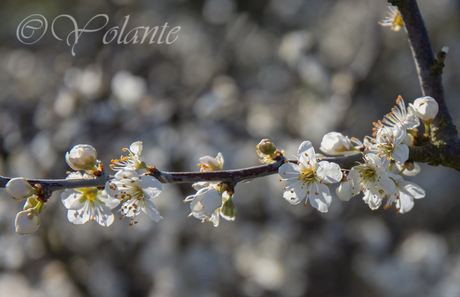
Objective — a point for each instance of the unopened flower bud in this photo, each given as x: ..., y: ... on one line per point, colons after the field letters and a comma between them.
x: 228, y: 209
x: 344, y: 191
x: 426, y: 108
x: 81, y: 157
x: 27, y: 221
x: 266, y: 147
x: 334, y: 143
x: 19, y: 189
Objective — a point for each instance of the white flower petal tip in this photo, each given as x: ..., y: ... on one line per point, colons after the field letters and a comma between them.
x: 306, y: 180
x: 426, y: 108
x: 81, y: 157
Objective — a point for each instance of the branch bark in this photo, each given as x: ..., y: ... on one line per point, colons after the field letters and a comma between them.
x: 445, y: 146
x: 230, y: 176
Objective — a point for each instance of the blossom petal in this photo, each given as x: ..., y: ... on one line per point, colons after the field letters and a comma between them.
x: 372, y: 196
x: 105, y: 216
x: 69, y: 196
x: 320, y: 197
x: 136, y: 148
x: 386, y: 183
x: 295, y: 192
x: 329, y: 172
x: 126, y: 174
x: 151, y: 210
x: 289, y: 171
x: 80, y: 216
x: 150, y: 186
x: 413, y: 189
x: 405, y: 202
x: 305, y: 146
x: 108, y: 200
x: 400, y: 153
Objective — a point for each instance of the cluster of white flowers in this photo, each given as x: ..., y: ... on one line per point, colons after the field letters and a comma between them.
x: 385, y: 156
x: 212, y: 199
x: 378, y: 177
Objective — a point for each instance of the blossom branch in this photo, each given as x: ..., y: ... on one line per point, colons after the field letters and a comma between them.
x: 445, y: 148
x: 229, y: 176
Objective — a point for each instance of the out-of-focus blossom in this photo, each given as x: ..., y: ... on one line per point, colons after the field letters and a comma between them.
x: 393, y: 19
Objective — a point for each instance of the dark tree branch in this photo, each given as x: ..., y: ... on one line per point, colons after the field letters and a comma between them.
x: 229, y: 176
x: 445, y: 147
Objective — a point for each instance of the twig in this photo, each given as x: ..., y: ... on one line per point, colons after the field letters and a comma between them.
x: 445, y: 147
x: 229, y: 176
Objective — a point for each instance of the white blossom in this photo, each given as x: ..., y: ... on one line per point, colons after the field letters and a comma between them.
x: 373, y: 179
x: 388, y: 143
x: 400, y: 116
x: 27, y: 221
x: 208, y: 163
x: 404, y: 194
x: 335, y: 143
x: 136, y: 194
x: 307, y: 179
x: 81, y: 157
x: 19, y: 189
x: 205, y: 203
x: 85, y: 204
x: 426, y: 108
x: 393, y: 19
x: 134, y: 160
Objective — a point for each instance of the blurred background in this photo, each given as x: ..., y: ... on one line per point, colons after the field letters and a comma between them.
x: 240, y: 71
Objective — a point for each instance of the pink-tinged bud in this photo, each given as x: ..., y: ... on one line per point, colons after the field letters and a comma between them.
x: 19, y: 189
x: 426, y: 108
x: 81, y: 157
x: 27, y: 221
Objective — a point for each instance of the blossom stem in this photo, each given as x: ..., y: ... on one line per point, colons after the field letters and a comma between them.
x: 232, y: 177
